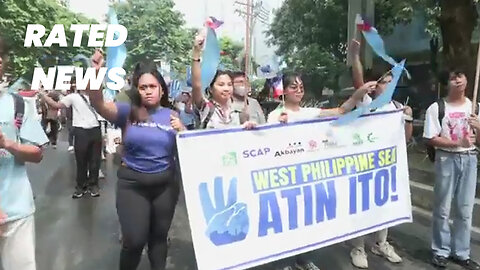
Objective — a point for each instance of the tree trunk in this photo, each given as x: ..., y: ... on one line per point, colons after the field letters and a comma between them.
x: 457, y: 20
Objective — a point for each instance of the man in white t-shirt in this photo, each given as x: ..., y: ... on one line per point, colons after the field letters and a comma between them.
x: 455, y: 171
x: 88, y: 141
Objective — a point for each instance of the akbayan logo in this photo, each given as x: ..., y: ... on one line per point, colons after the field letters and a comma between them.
x: 292, y: 149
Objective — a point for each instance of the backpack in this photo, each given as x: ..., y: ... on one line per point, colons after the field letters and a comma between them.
x: 441, y: 114
x: 19, y: 109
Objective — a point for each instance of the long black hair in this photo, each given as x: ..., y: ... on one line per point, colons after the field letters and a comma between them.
x: 139, y: 112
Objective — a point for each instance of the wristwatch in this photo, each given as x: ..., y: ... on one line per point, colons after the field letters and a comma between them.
x: 196, y: 60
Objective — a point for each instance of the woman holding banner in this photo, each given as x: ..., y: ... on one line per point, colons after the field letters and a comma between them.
x: 148, y: 188
x: 216, y: 112
x: 293, y: 93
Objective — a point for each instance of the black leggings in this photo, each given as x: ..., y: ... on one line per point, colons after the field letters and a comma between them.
x: 145, y: 206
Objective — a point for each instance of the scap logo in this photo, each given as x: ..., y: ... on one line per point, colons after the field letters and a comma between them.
x: 252, y: 153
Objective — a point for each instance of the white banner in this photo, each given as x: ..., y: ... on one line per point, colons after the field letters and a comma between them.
x: 258, y: 196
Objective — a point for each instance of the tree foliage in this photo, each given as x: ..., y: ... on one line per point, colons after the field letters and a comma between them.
x: 155, y: 31
x: 15, y: 15
x: 231, y: 53
x: 312, y: 34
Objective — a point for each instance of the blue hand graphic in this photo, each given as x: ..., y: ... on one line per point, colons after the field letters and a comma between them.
x: 227, y: 222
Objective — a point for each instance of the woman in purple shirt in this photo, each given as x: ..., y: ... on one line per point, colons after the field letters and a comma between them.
x: 147, y: 189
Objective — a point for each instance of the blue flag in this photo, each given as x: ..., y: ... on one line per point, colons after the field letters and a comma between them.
x: 378, y: 102
x: 211, y: 58
x: 116, y: 56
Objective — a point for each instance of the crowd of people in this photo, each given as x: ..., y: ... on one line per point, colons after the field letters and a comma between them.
x: 149, y: 178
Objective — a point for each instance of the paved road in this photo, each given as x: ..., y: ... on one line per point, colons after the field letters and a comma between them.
x: 83, y: 234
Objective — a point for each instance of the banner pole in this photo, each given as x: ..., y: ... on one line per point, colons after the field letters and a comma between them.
x: 477, y: 76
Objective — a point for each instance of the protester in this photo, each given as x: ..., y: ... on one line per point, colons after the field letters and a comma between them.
x: 449, y: 127
x: 88, y: 140
x: 185, y: 108
x: 217, y: 112
x: 148, y: 187
x: 291, y: 111
x: 241, y: 99
x: 21, y: 138
x: 51, y: 120
x: 381, y: 247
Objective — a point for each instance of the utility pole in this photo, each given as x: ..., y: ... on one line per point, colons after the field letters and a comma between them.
x: 252, y: 12
x: 248, y: 36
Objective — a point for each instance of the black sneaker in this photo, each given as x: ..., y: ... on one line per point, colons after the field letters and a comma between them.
x: 439, y: 261
x: 94, y: 191
x: 467, y: 264
x: 78, y: 193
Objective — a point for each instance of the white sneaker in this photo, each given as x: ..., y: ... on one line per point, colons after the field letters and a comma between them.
x: 70, y: 149
x: 387, y: 251
x: 307, y: 266
x: 359, y: 258
x: 101, y: 175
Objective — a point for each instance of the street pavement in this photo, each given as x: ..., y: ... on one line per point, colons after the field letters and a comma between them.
x: 84, y: 234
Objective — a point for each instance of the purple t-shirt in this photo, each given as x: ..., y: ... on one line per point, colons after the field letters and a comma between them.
x: 148, y: 147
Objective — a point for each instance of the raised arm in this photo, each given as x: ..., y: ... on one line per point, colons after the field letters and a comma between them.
x: 357, y: 67
x: 107, y: 110
x: 358, y: 96
x: 197, y: 91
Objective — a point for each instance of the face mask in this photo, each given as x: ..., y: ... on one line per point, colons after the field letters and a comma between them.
x: 181, y: 106
x: 240, y: 90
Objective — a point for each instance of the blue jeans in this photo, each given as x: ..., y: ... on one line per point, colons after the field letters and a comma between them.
x: 455, y: 179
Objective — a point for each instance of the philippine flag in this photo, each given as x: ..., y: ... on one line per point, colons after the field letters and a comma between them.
x: 277, y: 85
x: 213, y: 23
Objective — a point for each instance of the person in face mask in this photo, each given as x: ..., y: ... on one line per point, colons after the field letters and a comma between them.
x: 242, y: 101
